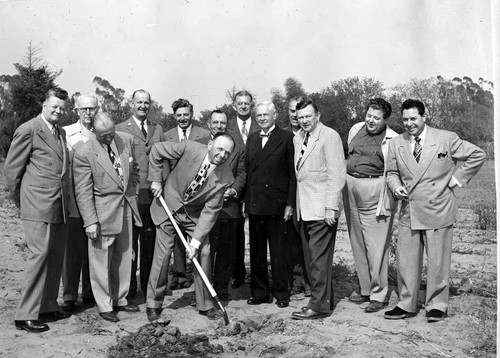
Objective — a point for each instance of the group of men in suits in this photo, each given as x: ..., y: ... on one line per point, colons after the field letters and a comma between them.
x: 100, y: 184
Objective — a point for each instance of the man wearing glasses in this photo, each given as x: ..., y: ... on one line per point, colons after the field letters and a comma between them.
x: 76, y: 258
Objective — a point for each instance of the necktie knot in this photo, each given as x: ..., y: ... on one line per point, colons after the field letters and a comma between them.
x: 417, y: 139
x: 266, y: 135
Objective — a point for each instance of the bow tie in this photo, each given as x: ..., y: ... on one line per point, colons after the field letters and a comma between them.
x: 262, y: 135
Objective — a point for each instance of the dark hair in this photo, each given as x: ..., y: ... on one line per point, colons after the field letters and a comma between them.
x: 381, y: 105
x: 182, y: 103
x: 141, y: 91
x: 56, y: 92
x: 223, y: 134
x: 413, y: 103
x: 304, y: 102
x: 243, y: 93
x: 219, y: 111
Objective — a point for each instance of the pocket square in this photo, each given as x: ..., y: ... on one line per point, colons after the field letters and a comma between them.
x: 442, y: 155
x: 130, y: 159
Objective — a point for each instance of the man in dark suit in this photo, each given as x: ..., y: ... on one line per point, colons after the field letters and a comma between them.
x: 320, y: 170
x: 145, y: 134
x: 223, y: 233
x: 269, y: 203
x: 194, y: 192
x: 185, y: 130
x: 106, y: 184
x: 239, y: 128
x: 76, y: 258
x: 36, y: 170
x: 424, y: 167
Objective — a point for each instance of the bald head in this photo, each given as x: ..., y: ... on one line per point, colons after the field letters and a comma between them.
x: 104, y: 128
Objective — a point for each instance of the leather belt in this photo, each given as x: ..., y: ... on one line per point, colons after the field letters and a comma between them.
x: 363, y: 176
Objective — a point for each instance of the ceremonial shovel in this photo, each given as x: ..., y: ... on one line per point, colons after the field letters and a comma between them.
x: 195, y: 261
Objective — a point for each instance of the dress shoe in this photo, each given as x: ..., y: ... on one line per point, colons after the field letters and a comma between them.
x: 237, y: 282
x: 211, y: 314
x: 33, y: 326
x: 69, y: 306
x: 153, y: 313
x: 435, y: 316
x: 309, y: 314
x: 88, y: 301
x: 359, y: 299
x: 258, y: 300
x: 397, y: 313
x: 375, y: 306
x: 307, y: 292
x: 53, y: 316
x: 109, y: 316
x: 131, y: 307
x: 282, y: 303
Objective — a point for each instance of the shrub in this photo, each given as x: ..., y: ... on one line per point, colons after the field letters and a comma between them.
x: 486, y: 216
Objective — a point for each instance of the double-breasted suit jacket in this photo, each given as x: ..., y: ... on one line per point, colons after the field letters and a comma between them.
x: 100, y: 193
x: 37, y: 174
x: 142, y: 147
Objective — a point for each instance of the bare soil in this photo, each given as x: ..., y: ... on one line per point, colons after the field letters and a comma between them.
x: 266, y: 330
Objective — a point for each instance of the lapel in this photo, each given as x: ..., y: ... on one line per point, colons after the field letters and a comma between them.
x: 102, y: 158
x: 406, y: 153
x: 311, y: 144
x: 124, y: 159
x: 253, y: 125
x: 48, y: 138
x: 134, y: 129
x: 273, y: 142
x: 151, y: 130
x: 428, y: 154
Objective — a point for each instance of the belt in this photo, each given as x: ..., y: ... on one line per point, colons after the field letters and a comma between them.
x: 363, y: 176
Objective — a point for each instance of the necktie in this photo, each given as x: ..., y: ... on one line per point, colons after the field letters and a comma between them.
x: 55, y: 132
x: 244, y: 131
x: 264, y: 137
x: 143, y: 130
x: 183, y: 135
x: 197, y: 182
x: 116, y: 162
x: 304, y: 147
x: 417, y: 151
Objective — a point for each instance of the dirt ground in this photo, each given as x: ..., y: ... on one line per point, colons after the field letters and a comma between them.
x: 266, y: 330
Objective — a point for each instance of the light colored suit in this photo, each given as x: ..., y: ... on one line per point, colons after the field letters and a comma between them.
x: 427, y: 217
x: 369, y: 211
x: 320, y: 181
x: 195, y: 216
x: 36, y: 169
x: 76, y: 254
x: 104, y: 199
x: 142, y: 147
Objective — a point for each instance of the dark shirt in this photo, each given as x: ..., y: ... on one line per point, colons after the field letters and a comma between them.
x: 365, y: 153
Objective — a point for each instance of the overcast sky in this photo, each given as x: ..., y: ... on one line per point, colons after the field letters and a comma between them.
x: 197, y: 49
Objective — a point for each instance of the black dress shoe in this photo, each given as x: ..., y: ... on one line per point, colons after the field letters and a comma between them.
x: 397, y: 313
x: 211, y: 314
x: 131, y: 307
x: 359, y: 299
x: 88, y: 301
x: 237, y: 282
x: 32, y: 326
x: 69, y: 306
x: 282, y: 303
x: 153, y: 313
x: 435, y: 315
x: 258, y: 300
x: 375, y: 306
x: 53, y: 316
x: 109, y: 316
x: 309, y: 314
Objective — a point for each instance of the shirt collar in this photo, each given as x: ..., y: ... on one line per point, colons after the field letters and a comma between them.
x: 180, y: 131
x: 138, y: 121
x: 421, y: 136
x: 268, y: 132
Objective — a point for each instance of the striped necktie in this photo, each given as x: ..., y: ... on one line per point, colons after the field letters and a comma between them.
x: 116, y: 163
x: 417, y: 151
x: 304, y: 147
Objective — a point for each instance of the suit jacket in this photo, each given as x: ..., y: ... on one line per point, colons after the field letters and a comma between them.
x: 236, y: 163
x: 321, y: 173
x: 234, y: 130
x: 271, y: 182
x: 142, y: 147
x: 37, y: 172
x: 386, y: 203
x: 431, y: 202
x: 197, y: 134
x: 99, y: 191
x: 205, y: 205
x: 76, y: 135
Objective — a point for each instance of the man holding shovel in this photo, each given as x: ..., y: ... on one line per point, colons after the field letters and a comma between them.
x: 194, y: 193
